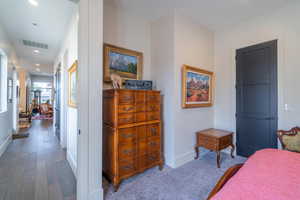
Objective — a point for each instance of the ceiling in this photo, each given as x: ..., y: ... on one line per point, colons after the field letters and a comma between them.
x: 51, y: 18
x: 214, y: 14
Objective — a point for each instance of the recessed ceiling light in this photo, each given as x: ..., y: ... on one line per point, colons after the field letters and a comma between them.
x: 37, y: 65
x: 36, y: 51
x: 33, y: 2
x: 38, y: 69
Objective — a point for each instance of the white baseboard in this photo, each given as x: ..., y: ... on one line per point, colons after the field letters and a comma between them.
x: 184, y: 158
x: 96, y: 195
x: 188, y: 157
x: 72, y: 164
x: 5, y: 144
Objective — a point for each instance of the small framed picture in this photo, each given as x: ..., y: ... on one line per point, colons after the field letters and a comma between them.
x: 197, y: 87
x: 73, y: 85
x: 128, y: 64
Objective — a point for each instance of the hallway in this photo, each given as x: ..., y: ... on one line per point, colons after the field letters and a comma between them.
x: 36, y: 168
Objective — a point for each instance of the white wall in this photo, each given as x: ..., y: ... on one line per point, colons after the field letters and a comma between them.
x: 6, y: 122
x: 163, y: 73
x: 67, y: 56
x: 176, y: 41
x: 283, y: 25
x: 123, y: 29
x: 194, y: 46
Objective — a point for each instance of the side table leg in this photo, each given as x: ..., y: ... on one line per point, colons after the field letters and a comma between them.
x: 218, y: 158
x: 232, y: 150
x: 197, y: 153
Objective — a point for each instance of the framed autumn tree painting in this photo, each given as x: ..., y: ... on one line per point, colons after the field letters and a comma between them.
x: 197, y: 87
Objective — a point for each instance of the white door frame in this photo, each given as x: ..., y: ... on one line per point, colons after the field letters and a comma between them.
x: 89, y: 153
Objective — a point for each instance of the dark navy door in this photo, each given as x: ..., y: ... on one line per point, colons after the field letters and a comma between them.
x: 256, y: 98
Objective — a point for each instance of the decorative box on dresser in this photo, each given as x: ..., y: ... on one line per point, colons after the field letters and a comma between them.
x: 131, y: 133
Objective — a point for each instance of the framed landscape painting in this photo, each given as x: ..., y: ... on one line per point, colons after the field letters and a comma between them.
x: 73, y: 85
x: 197, y: 87
x: 128, y: 64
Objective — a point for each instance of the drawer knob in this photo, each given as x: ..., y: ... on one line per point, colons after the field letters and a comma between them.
x: 152, y: 158
x: 127, y: 98
x: 128, y: 152
x: 152, y: 108
x: 152, y: 117
x: 128, y: 109
x: 126, y: 120
x: 128, y: 135
x: 152, y: 144
x: 127, y: 167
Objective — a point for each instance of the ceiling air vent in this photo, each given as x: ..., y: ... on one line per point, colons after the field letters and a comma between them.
x: 35, y: 44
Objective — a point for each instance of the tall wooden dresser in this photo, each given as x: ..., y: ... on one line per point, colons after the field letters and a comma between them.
x: 131, y: 133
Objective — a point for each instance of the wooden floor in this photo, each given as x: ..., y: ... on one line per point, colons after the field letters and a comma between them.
x: 35, y: 168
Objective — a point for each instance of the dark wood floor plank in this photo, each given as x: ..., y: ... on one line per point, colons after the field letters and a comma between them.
x: 35, y: 168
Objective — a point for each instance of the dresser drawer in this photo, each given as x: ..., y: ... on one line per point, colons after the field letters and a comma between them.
x: 126, y: 97
x: 141, y: 132
x: 153, y: 157
x: 153, y: 145
x: 140, y: 97
x: 127, y: 167
x: 140, y: 107
x: 127, y: 150
x: 153, y: 97
x: 127, y: 135
x: 153, y: 116
x: 153, y: 130
x: 143, y: 162
x: 140, y: 117
x: 126, y: 108
x: 142, y: 147
x: 153, y: 107
x: 126, y: 118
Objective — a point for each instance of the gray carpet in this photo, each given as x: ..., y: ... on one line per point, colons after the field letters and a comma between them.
x: 192, y: 181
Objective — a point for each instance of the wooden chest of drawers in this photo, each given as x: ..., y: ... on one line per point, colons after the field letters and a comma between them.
x: 131, y: 133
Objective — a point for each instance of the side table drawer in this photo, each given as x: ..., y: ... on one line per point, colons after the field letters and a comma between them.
x: 207, y: 142
x: 225, y: 141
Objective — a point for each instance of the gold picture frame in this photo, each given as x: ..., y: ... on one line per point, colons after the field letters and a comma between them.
x: 197, y: 87
x: 128, y: 64
x: 72, y: 93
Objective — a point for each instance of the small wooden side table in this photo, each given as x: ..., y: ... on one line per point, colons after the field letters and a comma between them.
x: 214, y: 140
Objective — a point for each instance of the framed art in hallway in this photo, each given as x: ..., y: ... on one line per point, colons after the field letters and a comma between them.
x: 73, y: 85
x: 197, y: 87
x: 128, y: 64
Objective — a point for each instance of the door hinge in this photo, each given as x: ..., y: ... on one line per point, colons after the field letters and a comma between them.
x: 79, y: 131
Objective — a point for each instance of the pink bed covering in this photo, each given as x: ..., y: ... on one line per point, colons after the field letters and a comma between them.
x: 269, y: 174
